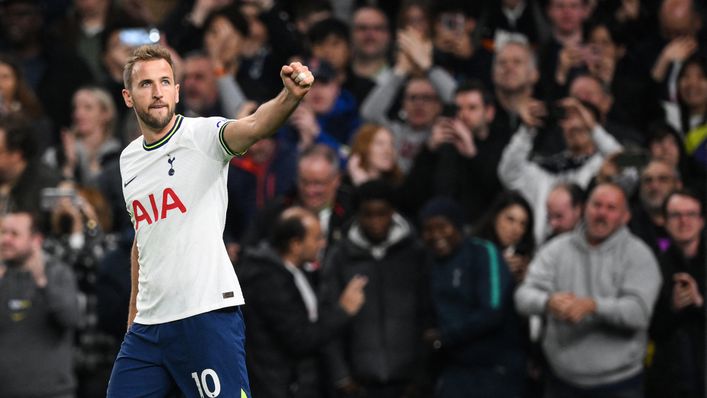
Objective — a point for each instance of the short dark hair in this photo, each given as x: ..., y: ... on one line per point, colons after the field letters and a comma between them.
x: 374, y: 190
x: 468, y: 8
x: 605, y: 89
x: 321, y: 30
x: 472, y: 85
x: 234, y: 16
x: 659, y: 130
x: 289, y: 226
x: 34, y: 219
x: 682, y: 192
x: 302, y: 9
x: 616, y: 32
x: 19, y: 136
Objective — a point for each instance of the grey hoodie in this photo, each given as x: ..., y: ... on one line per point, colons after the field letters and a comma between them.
x: 622, y: 276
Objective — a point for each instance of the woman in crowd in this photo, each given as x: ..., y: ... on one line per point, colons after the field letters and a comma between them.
x: 89, y: 145
x: 509, y: 225
x: 373, y: 156
x: 691, y: 108
x: 18, y: 99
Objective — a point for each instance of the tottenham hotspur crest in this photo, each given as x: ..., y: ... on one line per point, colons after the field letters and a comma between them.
x: 170, y: 160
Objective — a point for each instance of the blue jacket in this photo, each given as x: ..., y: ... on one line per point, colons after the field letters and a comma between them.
x: 472, y: 293
x: 337, y: 126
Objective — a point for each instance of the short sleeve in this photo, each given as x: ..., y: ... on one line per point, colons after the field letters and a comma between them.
x: 208, y: 138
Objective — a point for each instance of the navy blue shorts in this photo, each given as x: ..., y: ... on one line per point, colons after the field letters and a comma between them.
x: 202, y: 356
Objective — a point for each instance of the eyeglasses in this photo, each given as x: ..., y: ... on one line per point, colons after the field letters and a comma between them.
x: 375, y: 28
x: 421, y: 97
x: 662, y: 179
x: 304, y: 182
x: 690, y: 215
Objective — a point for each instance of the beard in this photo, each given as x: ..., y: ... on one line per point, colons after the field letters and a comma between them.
x: 153, y: 122
x: 17, y: 259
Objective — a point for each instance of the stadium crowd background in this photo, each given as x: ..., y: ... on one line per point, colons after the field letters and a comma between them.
x: 515, y: 109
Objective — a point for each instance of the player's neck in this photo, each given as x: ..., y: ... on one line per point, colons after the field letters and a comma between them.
x: 151, y: 135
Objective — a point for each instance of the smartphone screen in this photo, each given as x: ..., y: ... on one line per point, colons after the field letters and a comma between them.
x: 135, y: 37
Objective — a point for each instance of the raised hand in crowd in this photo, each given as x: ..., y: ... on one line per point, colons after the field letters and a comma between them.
x: 572, y: 104
x: 452, y: 131
x: 602, y: 65
x: 532, y: 112
x: 305, y: 122
x: 404, y: 66
x: 358, y: 174
x: 571, y: 56
x: 68, y: 143
x: 36, y: 266
x: 202, y: 9
x: 222, y: 46
x: 678, y: 50
x: 686, y: 292
x: 628, y: 11
x: 418, y: 48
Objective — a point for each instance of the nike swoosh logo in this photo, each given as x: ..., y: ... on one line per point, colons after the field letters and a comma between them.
x: 129, y: 181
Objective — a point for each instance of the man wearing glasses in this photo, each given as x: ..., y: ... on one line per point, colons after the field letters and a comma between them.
x: 678, y: 327
x: 657, y: 180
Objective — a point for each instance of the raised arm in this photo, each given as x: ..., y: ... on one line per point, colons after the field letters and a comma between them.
x: 240, y: 134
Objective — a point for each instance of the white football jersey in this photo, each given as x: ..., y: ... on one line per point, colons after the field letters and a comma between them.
x: 175, y: 192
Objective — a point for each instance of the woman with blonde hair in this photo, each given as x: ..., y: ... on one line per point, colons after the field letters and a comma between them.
x: 89, y: 145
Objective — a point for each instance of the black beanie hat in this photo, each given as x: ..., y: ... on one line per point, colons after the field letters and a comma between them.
x: 444, y: 207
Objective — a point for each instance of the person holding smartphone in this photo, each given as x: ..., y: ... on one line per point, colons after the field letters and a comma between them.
x: 454, y: 48
x: 678, y: 327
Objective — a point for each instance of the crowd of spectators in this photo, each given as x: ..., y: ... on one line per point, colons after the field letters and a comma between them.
x: 499, y: 198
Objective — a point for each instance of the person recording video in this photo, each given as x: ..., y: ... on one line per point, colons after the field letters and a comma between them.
x: 586, y: 142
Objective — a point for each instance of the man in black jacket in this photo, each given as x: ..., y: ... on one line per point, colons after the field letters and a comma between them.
x: 286, y: 326
x: 381, y: 351
x: 678, y: 326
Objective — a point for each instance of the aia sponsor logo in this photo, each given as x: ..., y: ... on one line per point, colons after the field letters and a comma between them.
x: 151, y: 211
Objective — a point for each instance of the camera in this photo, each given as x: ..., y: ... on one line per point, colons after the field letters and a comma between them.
x: 135, y: 37
x: 51, y: 196
x: 557, y: 112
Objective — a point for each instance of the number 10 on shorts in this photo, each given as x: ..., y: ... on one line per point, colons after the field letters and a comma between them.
x: 203, y: 386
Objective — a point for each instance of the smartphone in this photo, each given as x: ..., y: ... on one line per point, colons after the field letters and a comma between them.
x: 135, y: 37
x: 450, y: 110
x: 51, y: 196
x: 555, y: 113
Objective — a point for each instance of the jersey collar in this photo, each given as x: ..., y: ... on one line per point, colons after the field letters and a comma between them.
x: 165, y: 139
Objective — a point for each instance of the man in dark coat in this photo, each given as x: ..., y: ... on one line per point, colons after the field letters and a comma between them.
x: 286, y: 326
x: 381, y: 352
x: 678, y: 326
